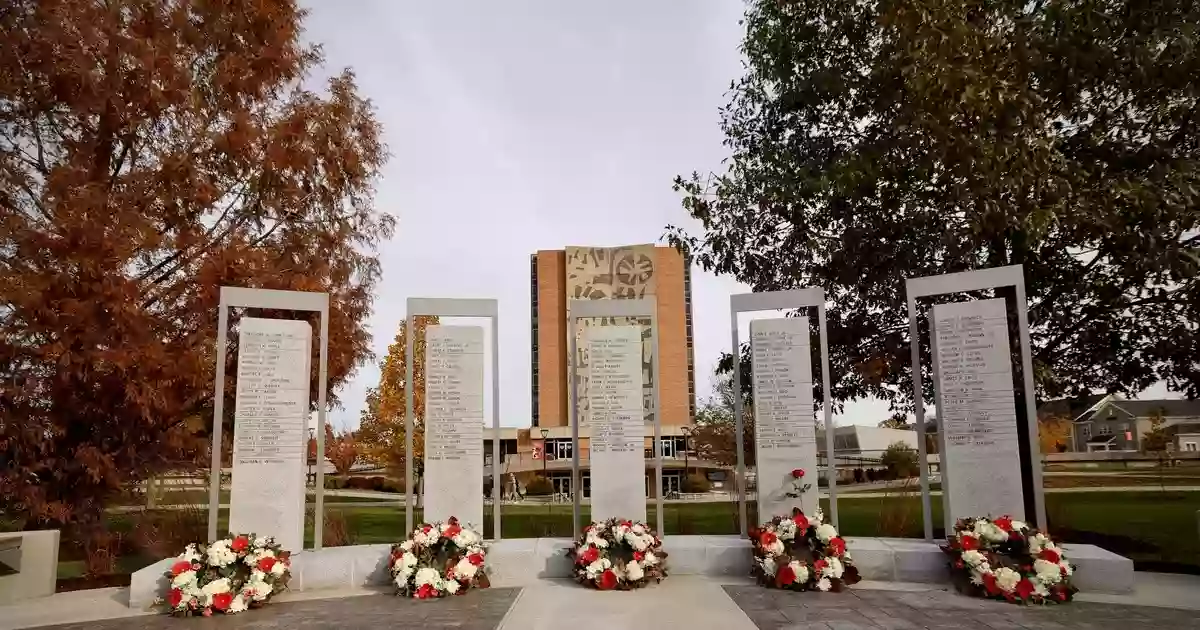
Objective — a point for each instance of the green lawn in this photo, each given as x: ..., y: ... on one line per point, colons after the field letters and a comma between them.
x: 200, y: 497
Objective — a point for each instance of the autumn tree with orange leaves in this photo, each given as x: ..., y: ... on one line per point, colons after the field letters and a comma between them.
x: 381, y: 424
x: 152, y: 151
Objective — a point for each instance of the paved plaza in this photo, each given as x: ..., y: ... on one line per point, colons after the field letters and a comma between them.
x: 477, y: 610
x: 684, y: 602
x: 861, y: 609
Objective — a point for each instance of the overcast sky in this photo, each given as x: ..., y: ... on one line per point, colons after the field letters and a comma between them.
x: 519, y: 125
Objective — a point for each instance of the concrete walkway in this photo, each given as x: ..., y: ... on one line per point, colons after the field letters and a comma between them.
x: 686, y: 602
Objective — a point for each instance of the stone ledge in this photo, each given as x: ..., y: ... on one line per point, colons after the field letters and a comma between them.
x: 524, y: 560
x: 36, y: 553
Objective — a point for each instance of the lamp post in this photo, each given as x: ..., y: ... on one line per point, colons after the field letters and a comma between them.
x: 545, y: 452
x: 687, y: 443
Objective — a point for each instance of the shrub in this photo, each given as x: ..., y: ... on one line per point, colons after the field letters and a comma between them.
x: 162, y: 533
x: 539, y: 487
x: 858, y: 475
x: 696, y: 484
x: 900, y: 459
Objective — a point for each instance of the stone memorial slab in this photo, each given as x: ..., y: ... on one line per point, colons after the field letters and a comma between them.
x: 269, y: 437
x: 977, y: 410
x: 617, y: 419
x: 454, y: 357
x: 785, y: 434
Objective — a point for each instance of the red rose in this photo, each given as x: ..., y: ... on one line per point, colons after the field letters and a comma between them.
x: 221, y: 601
x: 819, y: 566
x: 626, y: 523
x: 785, y: 576
x: 175, y: 597
x: 240, y: 544
x: 475, y: 559
x: 1024, y: 588
x: 207, y: 612
x: 589, y: 555
x: 266, y: 563
x: 969, y: 542
x: 180, y: 567
x: 989, y: 582
x: 608, y: 581
x: 767, y: 538
x: 452, y: 531
x: 1050, y: 555
x: 837, y: 545
x: 425, y: 529
x: 1004, y: 523
x: 801, y: 522
x: 425, y: 591
x: 797, y: 473
x: 637, y: 556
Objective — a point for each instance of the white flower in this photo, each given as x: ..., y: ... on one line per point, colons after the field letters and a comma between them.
x: 638, y: 528
x: 1006, y: 579
x: 817, y: 518
x: 410, y: 560
x: 633, y: 572
x: 183, y: 579
x: 466, y: 538
x: 428, y: 575
x: 599, y: 566
x: 252, y: 559
x: 833, y: 568
x: 1040, y: 589
x: 598, y: 541
x: 216, y: 587
x: 973, y: 558
x: 640, y: 543
x: 464, y: 569
x: 1037, y: 543
x: 451, y: 586
x: 279, y: 568
x: 977, y: 577
x: 263, y: 541
x: 1047, y: 572
x: 786, y: 529
x: 401, y: 578
x: 407, y: 545
x: 1066, y: 566
x: 238, y: 604
x: 768, y: 566
x: 420, y: 538
x: 219, y: 554
x: 649, y: 559
x: 773, y: 549
x: 826, y: 532
x: 824, y: 584
x: 800, y: 570
x: 989, y: 531
x: 189, y: 553
x: 1019, y: 526
x: 259, y: 586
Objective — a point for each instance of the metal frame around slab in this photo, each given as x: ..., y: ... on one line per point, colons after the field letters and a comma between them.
x: 810, y: 297
x: 639, y: 307
x: 240, y: 297
x: 451, y: 307
x: 961, y: 282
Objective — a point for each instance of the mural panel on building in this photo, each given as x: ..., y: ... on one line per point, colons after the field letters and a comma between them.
x: 599, y: 273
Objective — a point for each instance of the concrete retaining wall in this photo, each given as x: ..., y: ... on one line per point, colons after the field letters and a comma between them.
x: 524, y: 560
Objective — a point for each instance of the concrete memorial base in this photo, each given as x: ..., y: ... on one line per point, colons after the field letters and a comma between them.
x: 523, y: 561
x: 34, y: 557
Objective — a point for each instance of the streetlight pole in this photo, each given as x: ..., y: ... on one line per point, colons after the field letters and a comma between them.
x: 687, y: 442
x: 545, y: 478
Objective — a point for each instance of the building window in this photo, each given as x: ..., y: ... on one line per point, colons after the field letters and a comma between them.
x: 672, y: 447
x: 559, y: 449
x: 1085, y: 431
x: 1105, y: 429
x: 1189, y: 446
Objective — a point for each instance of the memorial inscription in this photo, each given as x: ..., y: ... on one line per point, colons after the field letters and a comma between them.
x: 785, y: 423
x: 454, y: 359
x: 270, y: 417
x: 618, y: 462
x: 977, y: 410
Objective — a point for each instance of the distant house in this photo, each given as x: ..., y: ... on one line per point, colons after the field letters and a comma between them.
x: 1113, y: 423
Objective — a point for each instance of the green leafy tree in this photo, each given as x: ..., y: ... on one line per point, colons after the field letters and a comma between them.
x: 1157, y: 442
x: 875, y: 141
x: 900, y: 459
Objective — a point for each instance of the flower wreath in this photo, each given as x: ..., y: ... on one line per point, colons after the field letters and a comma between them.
x: 1007, y: 559
x: 226, y: 576
x: 801, y: 553
x: 439, y: 559
x: 618, y: 554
